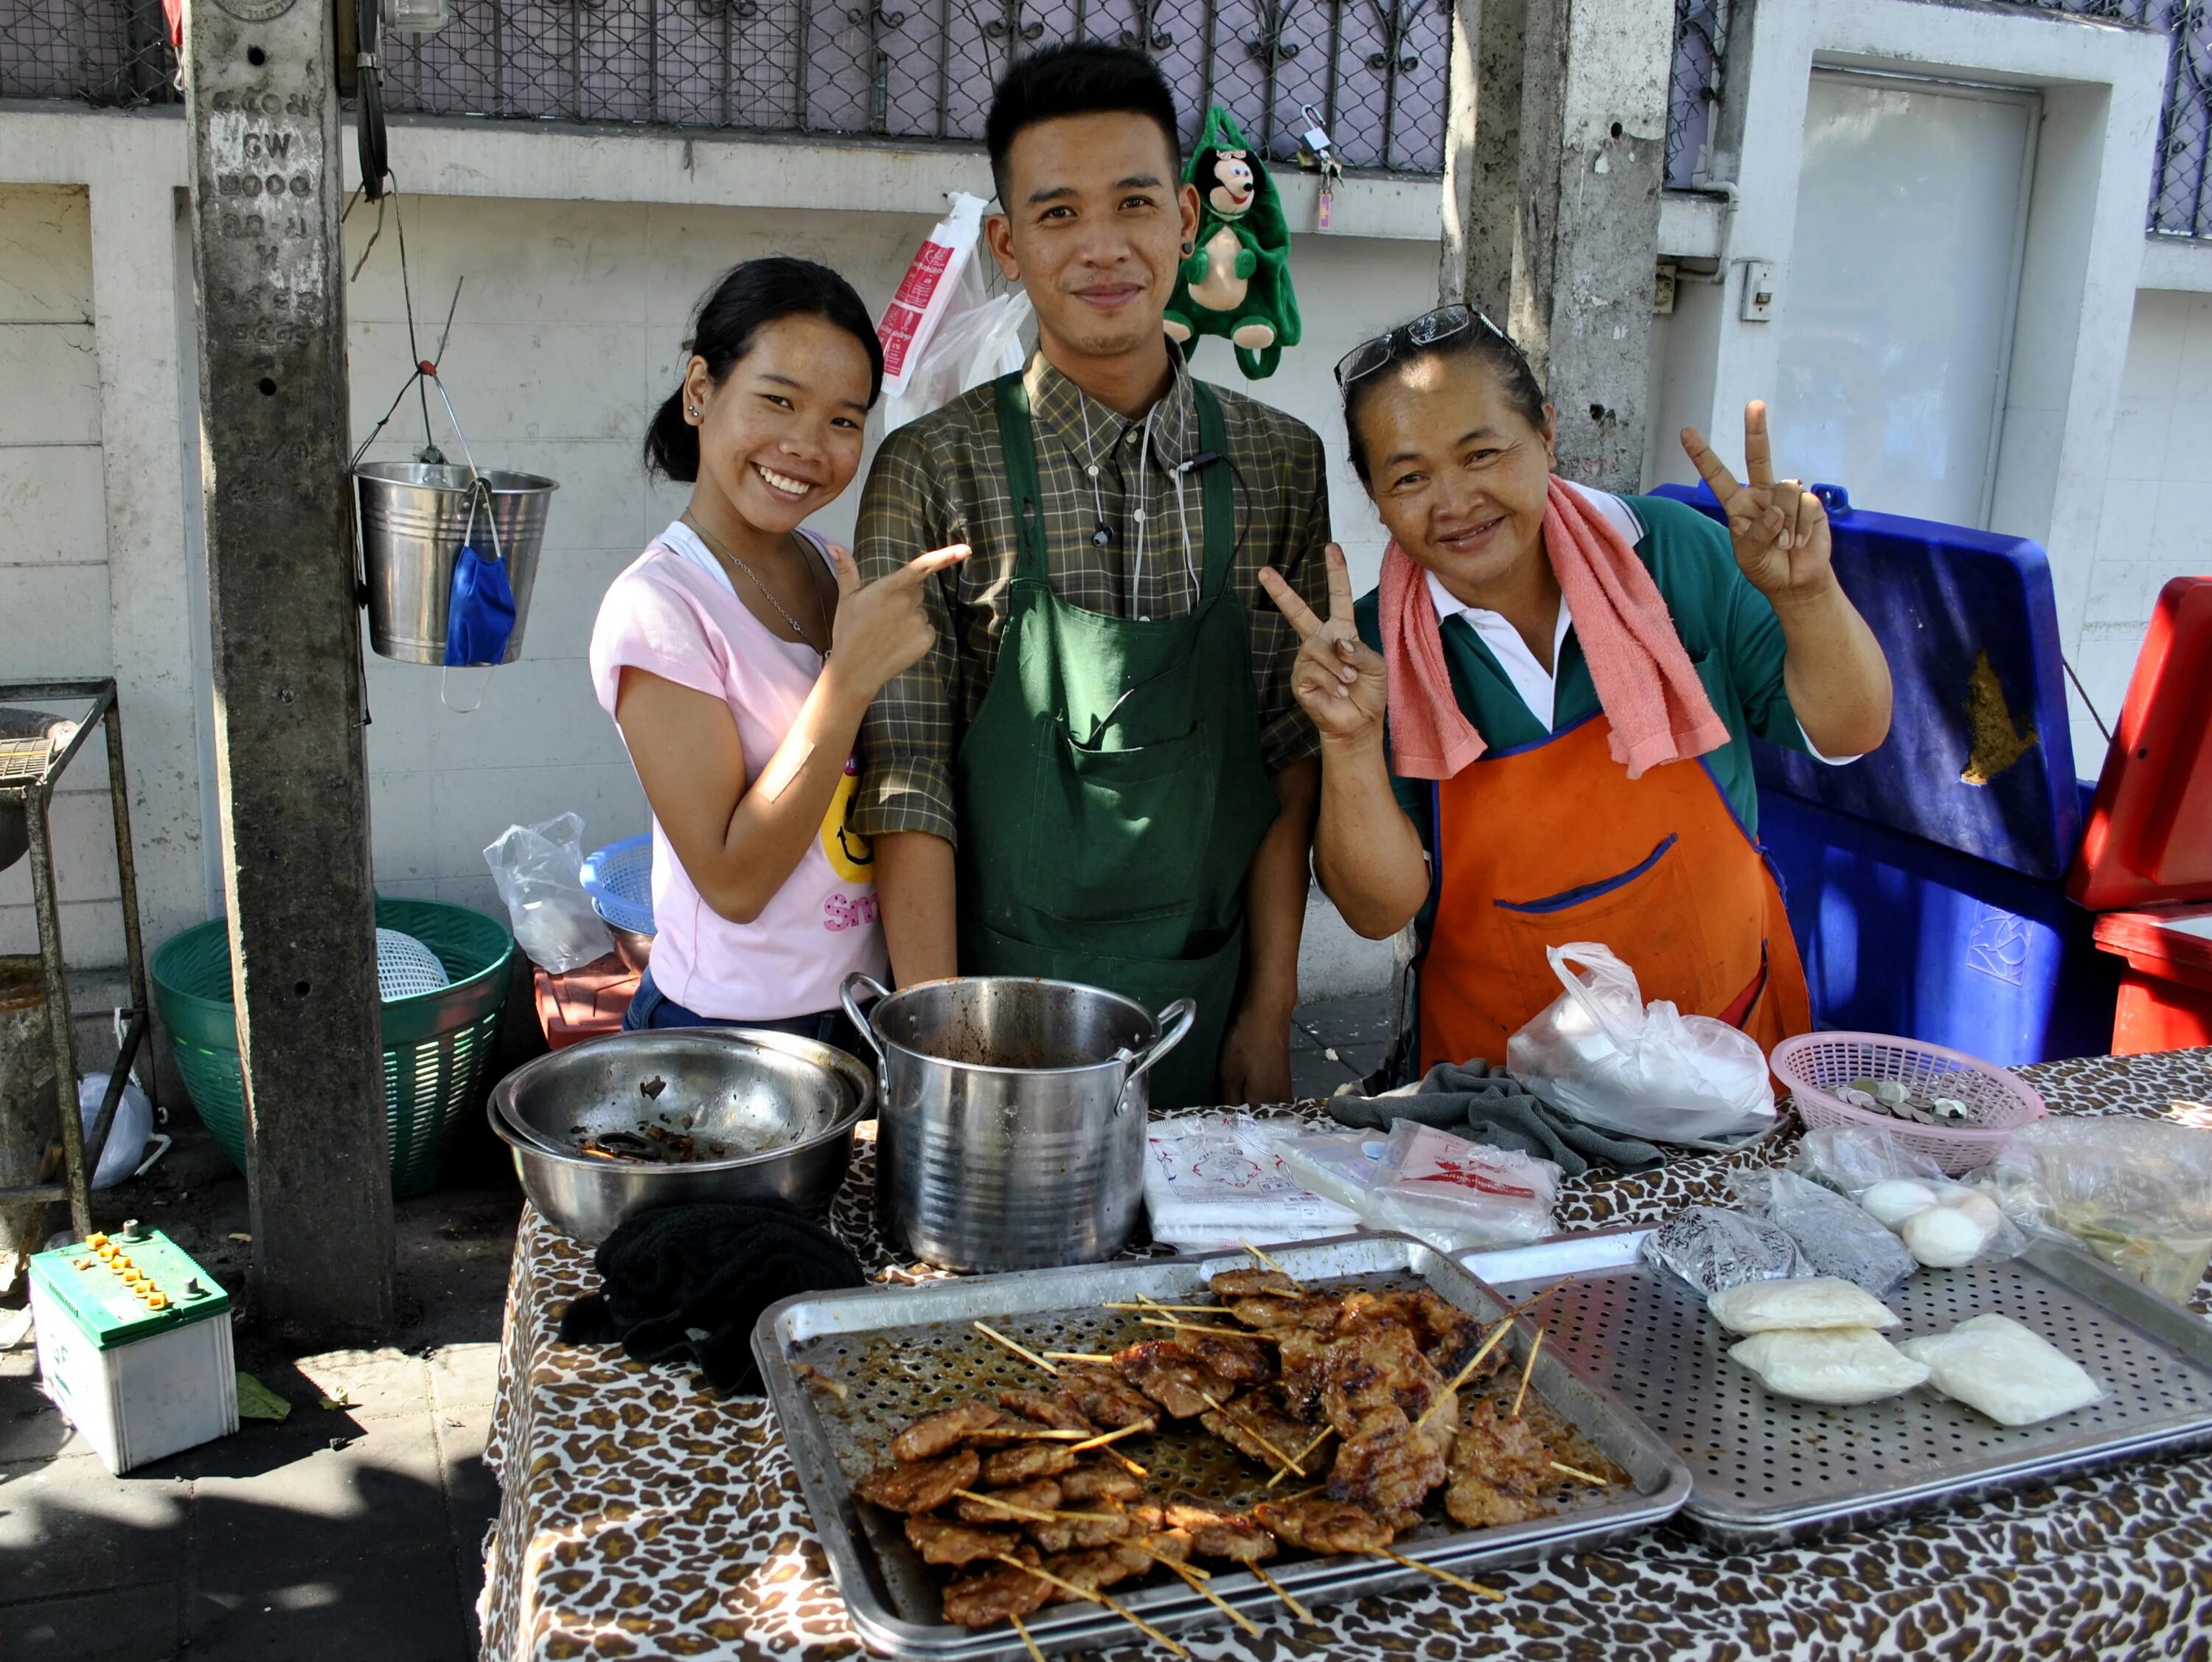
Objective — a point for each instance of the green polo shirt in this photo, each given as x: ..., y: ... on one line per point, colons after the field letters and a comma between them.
x: 1729, y: 628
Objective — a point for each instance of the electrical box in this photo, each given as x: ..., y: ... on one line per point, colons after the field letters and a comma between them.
x: 134, y: 1345
x: 1760, y: 291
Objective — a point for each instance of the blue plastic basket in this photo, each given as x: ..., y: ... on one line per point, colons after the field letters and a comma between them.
x: 619, y: 879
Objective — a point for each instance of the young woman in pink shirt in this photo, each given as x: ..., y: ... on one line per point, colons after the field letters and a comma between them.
x: 737, y: 653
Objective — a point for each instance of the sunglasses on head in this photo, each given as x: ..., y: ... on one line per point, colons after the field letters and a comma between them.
x: 1426, y: 330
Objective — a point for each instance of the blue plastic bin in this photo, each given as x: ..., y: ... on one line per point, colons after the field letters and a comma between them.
x: 1980, y: 754
x: 1901, y: 935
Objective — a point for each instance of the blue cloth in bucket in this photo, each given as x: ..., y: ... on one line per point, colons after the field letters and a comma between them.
x: 480, y: 611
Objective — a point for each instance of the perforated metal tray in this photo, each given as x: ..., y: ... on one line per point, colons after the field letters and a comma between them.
x: 1770, y: 1471
x: 897, y: 1353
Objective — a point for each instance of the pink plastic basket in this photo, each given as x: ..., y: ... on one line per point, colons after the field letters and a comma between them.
x: 1814, y: 1065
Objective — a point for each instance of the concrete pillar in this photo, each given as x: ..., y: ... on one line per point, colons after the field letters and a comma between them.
x: 1551, y: 208
x: 261, y: 113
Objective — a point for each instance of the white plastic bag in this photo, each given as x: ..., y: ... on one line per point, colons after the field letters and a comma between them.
x: 1213, y: 1180
x: 1598, y: 1052
x: 127, y: 1134
x: 539, y: 871
x: 977, y: 338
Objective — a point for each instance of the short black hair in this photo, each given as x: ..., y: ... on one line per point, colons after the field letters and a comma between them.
x: 1076, y: 77
x: 1492, y: 348
x: 743, y: 300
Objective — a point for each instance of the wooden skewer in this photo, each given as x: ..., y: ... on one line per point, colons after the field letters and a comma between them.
x: 1020, y: 1350
x: 1114, y: 1436
x: 1088, y: 1597
x: 1461, y: 1378
x: 1527, y: 1369
x: 1535, y: 1299
x: 1201, y: 1327
x: 1078, y: 1356
x: 1154, y: 1305
x: 1302, y: 1495
x: 1252, y: 1431
x: 1198, y: 1587
x: 1033, y: 1433
x: 1271, y: 1263
x: 1580, y: 1476
x: 1008, y: 1507
x: 1127, y: 1464
x: 1326, y: 1433
x: 1035, y: 1655
x: 1460, y: 1581
x: 1281, y: 1591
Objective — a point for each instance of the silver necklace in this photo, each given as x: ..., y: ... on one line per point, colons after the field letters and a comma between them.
x: 795, y: 626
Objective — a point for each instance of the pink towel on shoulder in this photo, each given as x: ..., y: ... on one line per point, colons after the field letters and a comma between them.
x: 1645, y: 683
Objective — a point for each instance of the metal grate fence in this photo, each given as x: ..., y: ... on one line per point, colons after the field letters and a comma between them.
x: 1374, y: 69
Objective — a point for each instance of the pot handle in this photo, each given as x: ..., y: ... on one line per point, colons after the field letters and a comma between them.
x: 1174, y: 1025
x: 860, y: 981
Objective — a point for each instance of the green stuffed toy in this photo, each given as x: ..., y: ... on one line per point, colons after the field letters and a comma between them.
x: 1236, y: 282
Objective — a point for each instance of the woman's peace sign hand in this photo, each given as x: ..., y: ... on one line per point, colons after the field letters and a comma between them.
x: 1780, y: 528
x: 1337, y: 678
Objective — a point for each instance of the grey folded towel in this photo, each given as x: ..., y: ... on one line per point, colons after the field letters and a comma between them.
x: 1498, y: 1110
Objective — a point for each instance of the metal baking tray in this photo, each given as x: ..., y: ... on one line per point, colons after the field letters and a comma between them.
x: 898, y: 1352
x: 1770, y: 1472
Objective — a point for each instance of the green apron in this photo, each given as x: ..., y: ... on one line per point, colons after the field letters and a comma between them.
x: 1111, y: 790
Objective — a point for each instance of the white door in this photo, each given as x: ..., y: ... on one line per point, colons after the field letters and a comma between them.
x: 1896, y: 313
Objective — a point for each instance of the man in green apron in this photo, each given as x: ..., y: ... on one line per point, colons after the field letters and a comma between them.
x: 1101, y: 774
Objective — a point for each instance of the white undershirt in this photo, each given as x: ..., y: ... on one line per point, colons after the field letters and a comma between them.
x: 1539, y: 687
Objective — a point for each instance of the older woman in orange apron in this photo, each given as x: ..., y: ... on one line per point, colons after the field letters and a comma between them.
x: 1572, y: 679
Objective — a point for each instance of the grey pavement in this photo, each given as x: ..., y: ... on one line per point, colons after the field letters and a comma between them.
x: 351, y: 1533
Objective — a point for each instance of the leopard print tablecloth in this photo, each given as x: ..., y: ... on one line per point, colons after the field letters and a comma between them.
x: 643, y: 1517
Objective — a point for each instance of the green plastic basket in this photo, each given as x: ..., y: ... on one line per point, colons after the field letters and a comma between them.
x: 434, y: 1044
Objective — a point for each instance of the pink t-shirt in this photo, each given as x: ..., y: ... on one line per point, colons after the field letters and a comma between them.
x: 673, y: 613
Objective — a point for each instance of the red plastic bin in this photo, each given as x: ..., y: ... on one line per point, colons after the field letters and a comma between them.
x: 2165, y: 991
x: 585, y: 1002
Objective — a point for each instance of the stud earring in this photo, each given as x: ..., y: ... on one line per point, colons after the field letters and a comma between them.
x: 1186, y: 247
x: 693, y: 414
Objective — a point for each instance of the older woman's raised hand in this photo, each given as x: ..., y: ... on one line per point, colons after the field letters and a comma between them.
x: 1338, y: 678
x: 1780, y: 528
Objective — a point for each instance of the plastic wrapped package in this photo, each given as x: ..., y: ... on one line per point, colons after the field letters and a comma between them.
x: 1837, y: 1237
x: 2004, y: 1370
x: 1600, y: 1053
x: 1212, y: 1180
x: 1853, y: 1158
x: 1713, y: 1249
x: 1838, y: 1364
x: 1456, y: 1194
x: 539, y: 870
x: 1338, y: 1166
x: 1804, y: 1303
x: 2137, y: 1192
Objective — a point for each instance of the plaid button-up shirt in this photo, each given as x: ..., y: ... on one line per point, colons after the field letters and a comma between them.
x: 942, y: 479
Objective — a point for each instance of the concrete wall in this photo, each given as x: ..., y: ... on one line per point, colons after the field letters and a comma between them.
x: 2152, y: 524
x: 53, y: 540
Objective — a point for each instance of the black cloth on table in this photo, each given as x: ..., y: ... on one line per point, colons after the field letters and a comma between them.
x: 689, y: 1281
x: 1498, y: 1109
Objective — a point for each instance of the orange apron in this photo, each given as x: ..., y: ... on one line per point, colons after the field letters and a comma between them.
x: 1552, y: 843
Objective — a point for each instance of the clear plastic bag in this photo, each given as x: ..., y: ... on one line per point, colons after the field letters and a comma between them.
x: 540, y: 872
x: 2136, y: 1192
x: 1434, y: 1185
x: 1835, y: 1237
x: 1600, y: 1053
x: 975, y: 337
x: 1338, y: 1166
x: 1713, y: 1249
x: 1852, y: 1158
x: 1894, y: 1184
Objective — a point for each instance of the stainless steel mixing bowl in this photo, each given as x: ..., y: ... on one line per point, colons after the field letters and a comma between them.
x: 784, y: 1108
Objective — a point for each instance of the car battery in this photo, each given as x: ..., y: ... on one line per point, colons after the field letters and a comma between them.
x: 134, y: 1345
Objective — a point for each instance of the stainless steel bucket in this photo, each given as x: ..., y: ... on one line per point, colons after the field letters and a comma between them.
x: 413, y: 517
x: 1010, y: 1130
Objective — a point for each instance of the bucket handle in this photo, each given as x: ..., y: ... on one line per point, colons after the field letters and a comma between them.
x: 860, y: 981
x: 1174, y: 1025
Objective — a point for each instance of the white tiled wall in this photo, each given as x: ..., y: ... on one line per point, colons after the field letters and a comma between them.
x: 53, y: 540
x: 570, y: 329
x: 2156, y: 523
